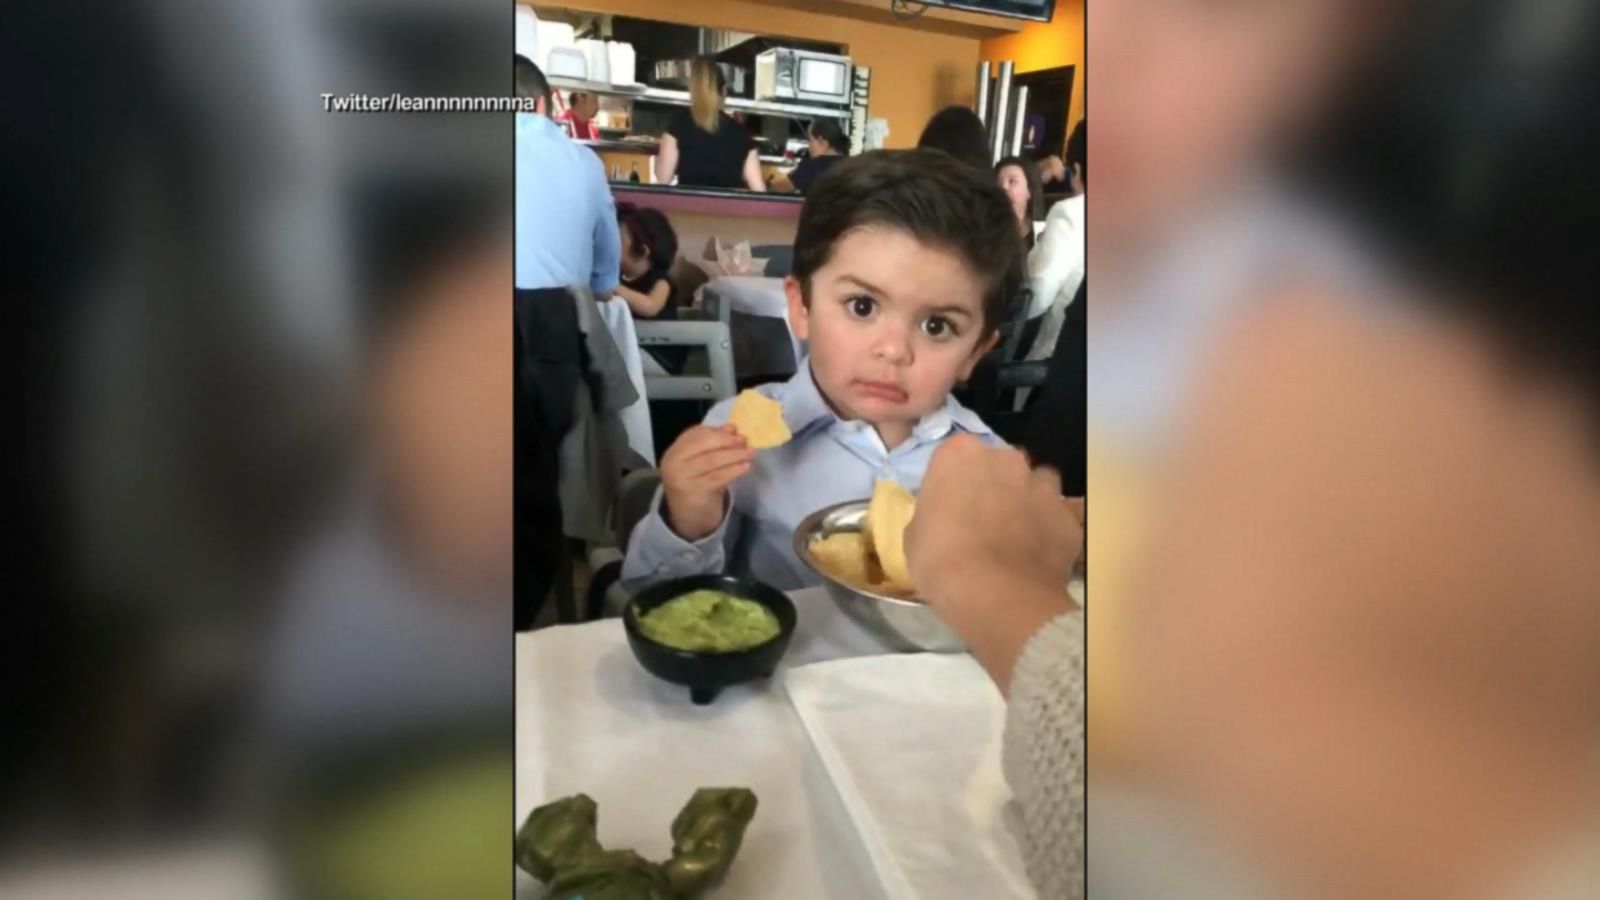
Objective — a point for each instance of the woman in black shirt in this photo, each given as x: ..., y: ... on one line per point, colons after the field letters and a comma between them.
x: 829, y: 144
x: 703, y: 146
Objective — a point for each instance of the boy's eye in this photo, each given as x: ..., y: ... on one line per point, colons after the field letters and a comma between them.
x: 938, y: 328
x: 861, y: 306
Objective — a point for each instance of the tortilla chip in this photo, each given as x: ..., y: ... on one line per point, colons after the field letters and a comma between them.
x: 760, y: 419
x: 888, y: 514
x: 844, y: 556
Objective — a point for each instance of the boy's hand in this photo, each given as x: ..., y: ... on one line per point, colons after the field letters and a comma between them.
x: 695, y: 474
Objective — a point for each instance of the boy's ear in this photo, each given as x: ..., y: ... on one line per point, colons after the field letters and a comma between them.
x: 799, y: 316
x: 979, y: 352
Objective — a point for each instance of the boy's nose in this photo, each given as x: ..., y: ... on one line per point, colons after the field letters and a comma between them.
x: 893, y: 346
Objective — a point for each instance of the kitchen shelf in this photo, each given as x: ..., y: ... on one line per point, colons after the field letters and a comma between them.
x: 650, y: 147
x: 647, y: 147
x: 596, y: 87
x: 681, y: 98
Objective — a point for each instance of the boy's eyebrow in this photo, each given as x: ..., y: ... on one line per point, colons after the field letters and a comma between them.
x: 952, y: 309
x: 864, y: 284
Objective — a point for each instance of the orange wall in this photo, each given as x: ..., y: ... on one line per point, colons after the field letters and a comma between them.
x: 914, y: 73
x: 1047, y: 46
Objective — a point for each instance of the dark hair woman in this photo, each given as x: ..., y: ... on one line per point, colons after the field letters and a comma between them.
x: 1019, y: 178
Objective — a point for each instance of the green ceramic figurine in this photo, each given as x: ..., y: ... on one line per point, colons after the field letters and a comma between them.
x: 559, y: 846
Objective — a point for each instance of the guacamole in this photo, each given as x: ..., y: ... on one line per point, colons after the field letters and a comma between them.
x: 710, y: 622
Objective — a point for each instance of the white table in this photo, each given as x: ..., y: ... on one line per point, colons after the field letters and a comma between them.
x: 635, y: 418
x: 591, y: 720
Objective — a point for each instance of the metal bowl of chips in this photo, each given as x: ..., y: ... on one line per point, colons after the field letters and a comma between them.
x: 902, y: 622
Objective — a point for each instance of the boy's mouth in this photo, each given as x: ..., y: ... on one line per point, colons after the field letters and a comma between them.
x: 881, y: 390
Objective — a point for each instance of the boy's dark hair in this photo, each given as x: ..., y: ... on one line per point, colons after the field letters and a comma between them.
x: 928, y: 194
x: 530, y: 82
x: 1078, y: 151
x: 959, y: 132
x: 828, y: 130
x: 650, y: 228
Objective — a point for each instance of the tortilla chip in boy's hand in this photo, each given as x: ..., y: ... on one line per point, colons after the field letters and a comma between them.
x: 888, y: 514
x: 759, y: 419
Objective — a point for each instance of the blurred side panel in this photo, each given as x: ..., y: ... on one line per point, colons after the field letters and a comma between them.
x: 264, y: 648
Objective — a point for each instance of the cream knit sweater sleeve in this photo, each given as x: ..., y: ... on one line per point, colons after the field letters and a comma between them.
x: 1043, y: 756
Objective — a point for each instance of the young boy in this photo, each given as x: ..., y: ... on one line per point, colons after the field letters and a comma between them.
x: 904, y: 262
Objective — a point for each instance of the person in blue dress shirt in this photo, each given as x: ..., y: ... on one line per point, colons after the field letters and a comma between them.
x: 566, y: 219
x: 904, y: 262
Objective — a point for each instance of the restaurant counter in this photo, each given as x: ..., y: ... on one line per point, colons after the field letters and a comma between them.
x: 733, y: 215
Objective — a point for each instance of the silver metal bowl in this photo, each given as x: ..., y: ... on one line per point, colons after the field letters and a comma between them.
x: 903, y: 624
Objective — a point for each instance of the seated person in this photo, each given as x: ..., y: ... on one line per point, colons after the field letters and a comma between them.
x: 904, y: 261
x: 828, y: 145
x: 1056, y: 263
x: 649, y: 247
x: 1019, y: 178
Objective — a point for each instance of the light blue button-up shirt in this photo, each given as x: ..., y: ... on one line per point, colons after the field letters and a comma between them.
x: 828, y: 460
x: 566, y: 219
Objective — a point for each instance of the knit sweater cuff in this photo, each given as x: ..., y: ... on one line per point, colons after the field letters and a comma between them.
x: 1043, y: 755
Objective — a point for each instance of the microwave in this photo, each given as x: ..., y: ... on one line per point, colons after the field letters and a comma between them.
x: 803, y: 76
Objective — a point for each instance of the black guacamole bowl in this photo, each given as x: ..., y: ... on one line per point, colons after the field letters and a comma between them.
x: 705, y: 674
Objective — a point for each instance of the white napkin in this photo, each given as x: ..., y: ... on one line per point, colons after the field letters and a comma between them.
x: 912, y: 744
x: 721, y: 259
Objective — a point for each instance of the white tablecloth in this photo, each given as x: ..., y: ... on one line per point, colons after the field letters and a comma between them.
x: 912, y: 743
x: 635, y: 418
x: 590, y: 720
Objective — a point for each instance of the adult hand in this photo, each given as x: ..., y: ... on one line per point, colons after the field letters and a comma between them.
x: 695, y: 474
x: 990, y: 548
x: 984, y: 509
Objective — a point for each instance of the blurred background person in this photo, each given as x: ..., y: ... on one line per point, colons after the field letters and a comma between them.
x: 959, y: 132
x: 1339, y: 413
x: 1019, y: 178
x: 827, y: 144
x: 565, y: 217
x: 579, y: 116
x: 1057, y: 262
x: 704, y: 146
x: 1074, y: 169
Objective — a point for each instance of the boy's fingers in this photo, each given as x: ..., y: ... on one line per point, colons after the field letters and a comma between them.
x: 723, y: 475
x: 718, y: 479
x: 696, y: 438
x: 712, y: 460
x: 710, y: 440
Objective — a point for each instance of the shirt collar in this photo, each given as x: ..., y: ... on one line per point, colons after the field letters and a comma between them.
x: 804, y: 407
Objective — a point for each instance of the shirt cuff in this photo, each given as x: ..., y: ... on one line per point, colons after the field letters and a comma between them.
x: 656, y: 551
